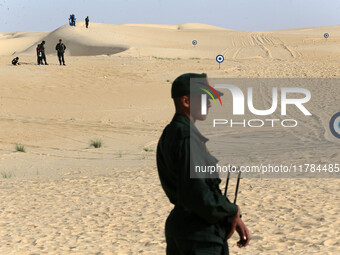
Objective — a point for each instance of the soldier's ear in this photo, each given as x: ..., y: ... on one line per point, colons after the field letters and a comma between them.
x: 185, y: 100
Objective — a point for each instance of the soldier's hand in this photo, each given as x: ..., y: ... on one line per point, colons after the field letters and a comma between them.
x: 243, y: 232
x: 234, y: 223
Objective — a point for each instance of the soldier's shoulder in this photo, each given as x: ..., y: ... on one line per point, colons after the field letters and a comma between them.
x: 178, y: 130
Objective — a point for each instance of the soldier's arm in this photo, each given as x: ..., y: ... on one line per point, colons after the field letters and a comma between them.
x: 195, y: 195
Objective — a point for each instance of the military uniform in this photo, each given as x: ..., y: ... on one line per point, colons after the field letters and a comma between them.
x: 15, y: 61
x: 87, y: 20
x: 60, y: 48
x: 194, y: 225
x: 42, y: 50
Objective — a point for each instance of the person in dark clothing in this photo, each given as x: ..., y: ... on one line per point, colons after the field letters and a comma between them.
x: 87, y: 20
x: 60, y: 48
x: 201, y: 217
x: 73, y: 20
x: 15, y: 61
x: 42, y: 51
x: 39, y: 60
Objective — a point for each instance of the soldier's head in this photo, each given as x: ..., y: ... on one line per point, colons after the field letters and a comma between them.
x: 43, y: 42
x: 187, y: 97
x: 60, y: 40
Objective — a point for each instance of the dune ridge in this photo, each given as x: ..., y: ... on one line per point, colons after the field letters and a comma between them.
x: 175, y: 41
x: 184, y: 26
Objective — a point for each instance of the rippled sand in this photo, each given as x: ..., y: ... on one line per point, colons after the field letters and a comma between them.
x: 65, y: 197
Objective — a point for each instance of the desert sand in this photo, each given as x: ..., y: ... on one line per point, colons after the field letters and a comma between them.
x: 65, y: 197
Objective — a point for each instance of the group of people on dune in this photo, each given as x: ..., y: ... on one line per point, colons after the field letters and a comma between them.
x: 41, y: 56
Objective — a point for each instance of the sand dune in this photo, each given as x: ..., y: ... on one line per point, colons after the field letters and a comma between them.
x: 15, y: 42
x: 65, y: 197
x: 184, y: 26
x: 81, y: 41
x: 175, y: 41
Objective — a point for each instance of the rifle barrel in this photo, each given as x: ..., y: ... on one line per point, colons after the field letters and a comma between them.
x: 226, y: 184
x: 237, y: 185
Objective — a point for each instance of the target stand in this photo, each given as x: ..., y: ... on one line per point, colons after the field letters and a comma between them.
x: 219, y: 60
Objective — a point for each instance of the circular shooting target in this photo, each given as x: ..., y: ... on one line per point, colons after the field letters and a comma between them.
x: 219, y: 58
x: 334, y: 125
x: 194, y: 42
x: 326, y: 35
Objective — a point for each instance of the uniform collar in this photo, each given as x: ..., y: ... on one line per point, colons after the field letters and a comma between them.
x: 193, y: 129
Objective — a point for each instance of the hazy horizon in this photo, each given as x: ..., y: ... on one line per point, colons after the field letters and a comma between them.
x: 262, y: 15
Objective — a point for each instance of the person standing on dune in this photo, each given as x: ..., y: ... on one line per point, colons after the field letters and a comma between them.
x: 60, y: 48
x: 202, y: 219
x: 39, y: 60
x: 87, y: 20
x: 73, y: 20
x: 42, y: 51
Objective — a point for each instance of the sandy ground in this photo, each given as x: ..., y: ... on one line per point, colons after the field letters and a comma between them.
x: 65, y: 197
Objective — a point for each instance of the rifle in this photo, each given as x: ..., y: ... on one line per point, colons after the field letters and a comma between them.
x: 230, y: 219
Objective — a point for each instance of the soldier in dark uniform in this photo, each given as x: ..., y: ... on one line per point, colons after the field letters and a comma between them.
x: 15, y: 61
x: 42, y: 50
x: 60, y: 48
x: 201, y: 216
x: 38, y: 55
x: 87, y: 20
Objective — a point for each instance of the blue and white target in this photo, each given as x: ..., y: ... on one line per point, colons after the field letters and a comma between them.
x: 219, y: 58
x: 334, y: 125
x: 326, y: 35
x: 194, y: 42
